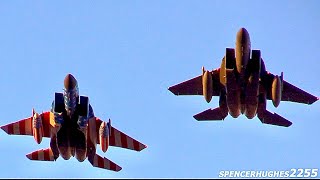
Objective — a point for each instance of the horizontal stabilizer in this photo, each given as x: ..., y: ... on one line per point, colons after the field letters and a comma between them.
x: 41, y: 155
x: 274, y: 119
x: 104, y: 163
x: 211, y: 114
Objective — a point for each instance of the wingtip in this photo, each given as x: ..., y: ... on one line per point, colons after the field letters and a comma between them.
x: 144, y: 147
x: 29, y: 156
x: 198, y: 117
x: 172, y: 91
x: 314, y: 100
x: 289, y: 124
x: 118, y: 168
x: 4, y: 128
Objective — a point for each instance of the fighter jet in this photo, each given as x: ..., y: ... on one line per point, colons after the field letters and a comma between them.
x: 243, y: 85
x: 74, y: 130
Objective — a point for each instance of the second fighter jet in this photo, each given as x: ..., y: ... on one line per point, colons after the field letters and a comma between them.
x: 243, y: 85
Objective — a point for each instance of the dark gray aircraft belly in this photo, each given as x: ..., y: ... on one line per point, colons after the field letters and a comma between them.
x: 71, y: 141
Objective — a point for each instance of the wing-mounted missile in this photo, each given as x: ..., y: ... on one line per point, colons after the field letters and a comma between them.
x: 276, y: 93
x: 263, y: 71
x: 207, y: 84
x: 222, y: 73
x: 37, y: 128
x: 109, y: 126
x: 281, y: 78
x: 104, y: 134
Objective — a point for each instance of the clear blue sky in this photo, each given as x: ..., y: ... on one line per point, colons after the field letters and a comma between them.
x: 125, y: 54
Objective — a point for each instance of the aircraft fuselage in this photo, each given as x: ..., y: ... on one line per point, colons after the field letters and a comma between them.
x: 70, y: 138
x: 242, y: 77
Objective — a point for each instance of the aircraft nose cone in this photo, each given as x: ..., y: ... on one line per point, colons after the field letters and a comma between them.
x: 242, y: 35
x: 69, y: 82
x: 243, y: 31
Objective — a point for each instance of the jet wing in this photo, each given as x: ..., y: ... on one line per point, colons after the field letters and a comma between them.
x: 294, y: 94
x: 194, y: 85
x: 120, y: 139
x: 289, y: 91
x: 24, y: 126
